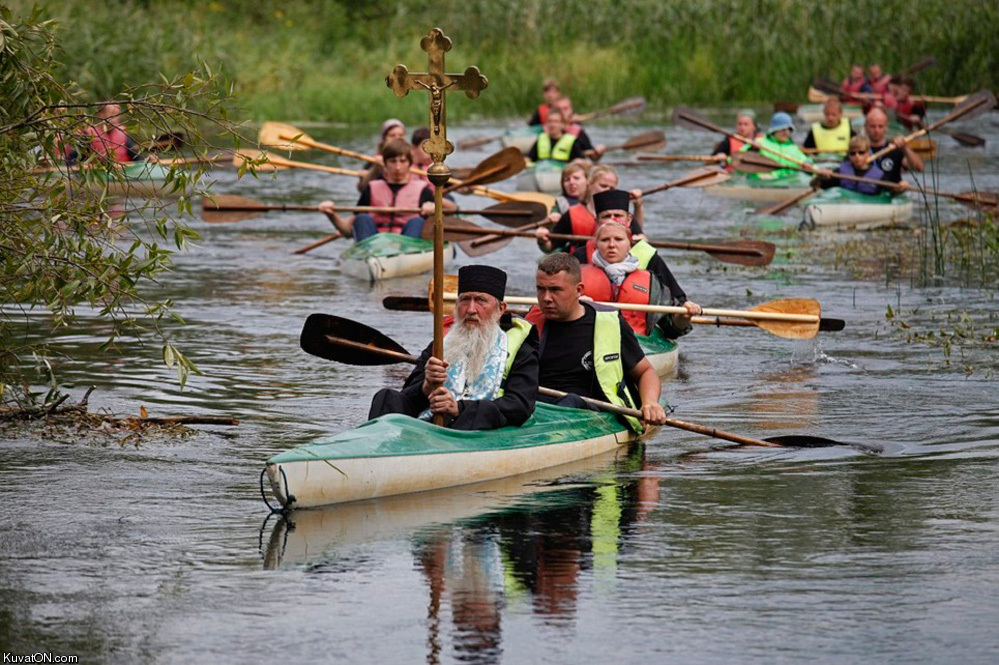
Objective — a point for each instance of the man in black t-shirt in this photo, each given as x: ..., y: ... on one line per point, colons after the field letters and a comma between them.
x: 575, y: 360
x: 876, y: 128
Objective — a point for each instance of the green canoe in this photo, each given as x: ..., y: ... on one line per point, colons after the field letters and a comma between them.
x: 395, y: 454
x: 388, y: 255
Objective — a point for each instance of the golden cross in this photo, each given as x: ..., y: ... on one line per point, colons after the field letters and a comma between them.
x: 436, y: 82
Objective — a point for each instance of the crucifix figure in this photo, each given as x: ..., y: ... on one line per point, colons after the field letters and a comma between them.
x: 436, y: 82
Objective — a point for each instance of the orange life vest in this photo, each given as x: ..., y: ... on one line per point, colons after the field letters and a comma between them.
x: 582, y: 220
x: 543, y: 112
x: 407, y: 197
x: 635, y: 290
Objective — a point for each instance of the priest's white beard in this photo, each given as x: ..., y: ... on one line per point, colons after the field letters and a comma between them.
x: 472, y: 344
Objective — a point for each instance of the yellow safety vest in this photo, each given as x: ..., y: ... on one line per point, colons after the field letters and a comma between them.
x: 515, y: 338
x: 608, y: 366
x: 836, y: 139
x: 644, y: 251
x: 561, y: 151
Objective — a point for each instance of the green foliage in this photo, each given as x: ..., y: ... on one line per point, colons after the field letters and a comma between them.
x: 64, y: 245
x: 326, y: 59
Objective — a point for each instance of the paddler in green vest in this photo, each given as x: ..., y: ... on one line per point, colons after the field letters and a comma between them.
x: 555, y: 143
x: 488, y: 377
x: 588, y: 352
x: 833, y: 134
x: 778, y: 146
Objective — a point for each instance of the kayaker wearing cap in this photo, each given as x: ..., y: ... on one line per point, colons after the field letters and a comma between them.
x: 488, y: 377
x: 745, y: 127
x: 581, y: 219
x: 397, y: 188
x: 551, y: 91
x: 833, y: 134
x: 392, y: 130
x: 554, y: 142
x: 876, y: 128
x: 856, y: 164
x: 587, y: 350
x: 778, y: 146
x: 616, y: 269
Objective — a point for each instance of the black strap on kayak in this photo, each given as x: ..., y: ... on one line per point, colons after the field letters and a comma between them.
x: 263, y: 493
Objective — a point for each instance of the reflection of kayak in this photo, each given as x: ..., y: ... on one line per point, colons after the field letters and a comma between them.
x: 395, y: 454
x: 661, y: 352
x: 308, y: 536
x: 522, y: 138
x: 843, y: 209
x: 139, y: 179
x: 388, y: 255
x: 762, y: 187
x: 541, y: 176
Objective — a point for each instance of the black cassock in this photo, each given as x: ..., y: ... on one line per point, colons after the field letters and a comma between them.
x: 520, y: 391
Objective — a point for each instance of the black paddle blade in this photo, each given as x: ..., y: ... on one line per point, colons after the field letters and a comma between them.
x: 349, y: 342
x: 827, y: 86
x: 970, y: 140
x: 406, y: 303
x: 980, y: 103
x: 808, y: 441
x: 920, y: 65
x: 831, y: 325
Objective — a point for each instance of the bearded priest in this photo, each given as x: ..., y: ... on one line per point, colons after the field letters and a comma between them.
x: 488, y: 377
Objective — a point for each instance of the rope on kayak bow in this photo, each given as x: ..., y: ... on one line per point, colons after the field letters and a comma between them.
x: 263, y: 493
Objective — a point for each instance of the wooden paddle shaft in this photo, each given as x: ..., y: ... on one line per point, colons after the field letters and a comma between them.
x: 318, y: 243
x: 748, y: 251
x: 669, y: 309
x: 672, y: 422
x: 677, y: 158
x: 954, y: 115
x: 680, y: 182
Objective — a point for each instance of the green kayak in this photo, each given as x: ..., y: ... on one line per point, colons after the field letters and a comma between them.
x: 763, y: 187
x: 395, y: 454
x: 388, y: 255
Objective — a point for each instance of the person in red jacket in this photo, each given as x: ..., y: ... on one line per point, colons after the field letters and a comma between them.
x: 106, y: 139
x: 551, y: 91
x: 397, y: 188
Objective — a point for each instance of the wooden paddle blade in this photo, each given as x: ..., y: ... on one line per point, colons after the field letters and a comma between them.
x: 271, y: 134
x: 652, y: 140
x: 504, y: 164
x: 405, y: 303
x: 533, y: 212
x: 629, y: 106
x: 461, y: 172
x: 763, y: 258
x: 319, y: 328
x: 979, y: 103
x: 786, y: 107
x: 826, y: 86
x: 970, y: 140
x: 790, y: 329
x: 450, y: 286
x: 754, y: 162
x: 476, y: 142
x: 920, y: 65
x: 474, y: 250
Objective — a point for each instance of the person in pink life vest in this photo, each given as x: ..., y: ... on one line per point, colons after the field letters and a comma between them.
x: 397, y: 188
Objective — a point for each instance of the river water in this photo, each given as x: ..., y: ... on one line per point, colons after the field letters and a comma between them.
x: 683, y: 550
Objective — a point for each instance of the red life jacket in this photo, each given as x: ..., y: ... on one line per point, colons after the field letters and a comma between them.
x: 543, y: 112
x: 582, y: 220
x: 407, y: 197
x: 880, y: 85
x: 574, y: 128
x: 636, y: 290
x: 849, y: 87
x: 112, y: 143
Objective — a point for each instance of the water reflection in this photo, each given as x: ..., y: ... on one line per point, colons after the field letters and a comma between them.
x: 523, y: 541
